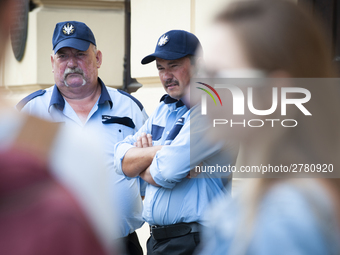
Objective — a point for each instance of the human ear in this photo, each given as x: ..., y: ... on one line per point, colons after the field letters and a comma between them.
x: 52, y: 62
x: 99, y: 57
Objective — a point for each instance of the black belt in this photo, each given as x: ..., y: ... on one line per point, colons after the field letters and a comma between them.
x: 175, y: 230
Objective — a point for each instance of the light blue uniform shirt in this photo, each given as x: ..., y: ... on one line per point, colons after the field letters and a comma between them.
x: 115, y: 116
x: 179, y: 199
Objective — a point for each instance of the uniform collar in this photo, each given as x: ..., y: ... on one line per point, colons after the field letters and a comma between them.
x: 57, y: 99
x: 59, y: 102
x: 104, y: 97
x: 169, y: 100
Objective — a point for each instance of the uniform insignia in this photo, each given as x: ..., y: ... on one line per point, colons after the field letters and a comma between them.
x: 163, y: 40
x: 68, y: 29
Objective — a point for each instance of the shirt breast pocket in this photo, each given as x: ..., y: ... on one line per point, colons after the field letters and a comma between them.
x: 156, y: 132
x: 120, y: 127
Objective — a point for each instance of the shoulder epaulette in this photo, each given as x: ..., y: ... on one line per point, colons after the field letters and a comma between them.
x: 25, y: 100
x: 133, y: 98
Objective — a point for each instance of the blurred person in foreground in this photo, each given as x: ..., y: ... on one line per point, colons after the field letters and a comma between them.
x: 52, y: 201
x: 278, y: 215
x: 163, y: 152
x: 80, y: 100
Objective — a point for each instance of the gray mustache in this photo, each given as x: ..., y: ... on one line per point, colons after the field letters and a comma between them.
x: 73, y: 70
x: 170, y: 82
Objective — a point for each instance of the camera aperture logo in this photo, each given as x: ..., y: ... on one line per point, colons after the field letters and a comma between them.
x: 212, y: 89
x: 204, y: 98
x: 239, y: 103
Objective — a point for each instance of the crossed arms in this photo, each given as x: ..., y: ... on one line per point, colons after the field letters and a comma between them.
x: 164, y: 165
x: 137, y: 160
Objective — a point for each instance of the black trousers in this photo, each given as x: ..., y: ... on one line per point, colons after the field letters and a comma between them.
x: 183, y: 245
x: 131, y: 244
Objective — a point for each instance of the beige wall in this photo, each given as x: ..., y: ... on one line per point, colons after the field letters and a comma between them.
x: 151, y: 18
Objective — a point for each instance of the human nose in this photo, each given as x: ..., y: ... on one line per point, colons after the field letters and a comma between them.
x: 72, y: 62
x: 167, y: 75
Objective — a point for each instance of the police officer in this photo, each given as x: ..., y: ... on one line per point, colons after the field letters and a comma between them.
x: 160, y: 153
x: 80, y: 99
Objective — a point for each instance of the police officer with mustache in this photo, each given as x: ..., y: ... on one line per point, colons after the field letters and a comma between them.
x: 80, y: 98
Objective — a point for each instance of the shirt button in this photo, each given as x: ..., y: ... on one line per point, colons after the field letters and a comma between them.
x: 167, y: 132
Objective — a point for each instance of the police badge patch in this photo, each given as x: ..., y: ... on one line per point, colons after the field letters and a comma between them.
x: 68, y: 29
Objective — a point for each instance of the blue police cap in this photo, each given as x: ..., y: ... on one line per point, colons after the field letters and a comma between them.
x: 172, y: 45
x: 72, y: 34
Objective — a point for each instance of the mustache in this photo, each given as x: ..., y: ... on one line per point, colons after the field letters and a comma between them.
x: 172, y: 82
x: 72, y: 71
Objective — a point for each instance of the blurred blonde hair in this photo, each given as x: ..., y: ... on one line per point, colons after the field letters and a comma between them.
x: 278, y: 35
